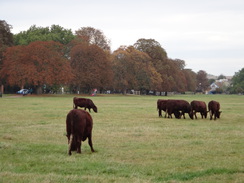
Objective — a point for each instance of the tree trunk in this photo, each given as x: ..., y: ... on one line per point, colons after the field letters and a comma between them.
x: 2, y: 89
x: 39, y: 90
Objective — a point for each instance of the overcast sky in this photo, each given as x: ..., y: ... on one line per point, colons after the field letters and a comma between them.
x: 207, y: 34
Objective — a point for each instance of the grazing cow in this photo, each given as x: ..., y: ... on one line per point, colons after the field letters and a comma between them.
x: 213, y: 107
x: 78, y: 127
x: 199, y: 106
x: 161, y: 105
x: 84, y: 102
x: 175, y: 106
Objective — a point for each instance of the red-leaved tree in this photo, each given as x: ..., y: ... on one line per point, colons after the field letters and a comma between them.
x: 36, y: 64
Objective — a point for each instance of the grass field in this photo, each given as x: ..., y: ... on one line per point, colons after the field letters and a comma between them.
x: 132, y: 143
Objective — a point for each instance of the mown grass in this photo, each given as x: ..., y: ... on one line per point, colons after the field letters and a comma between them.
x: 132, y: 143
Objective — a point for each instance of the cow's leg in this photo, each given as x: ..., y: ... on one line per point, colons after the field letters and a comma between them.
x: 78, y: 145
x: 215, y: 115
x: 202, y: 114
x: 90, y: 142
x: 159, y: 113
x: 195, y: 114
x: 211, y: 115
x: 183, y: 113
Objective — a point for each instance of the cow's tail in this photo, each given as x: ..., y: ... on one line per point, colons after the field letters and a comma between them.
x: 74, y: 106
x: 70, y: 143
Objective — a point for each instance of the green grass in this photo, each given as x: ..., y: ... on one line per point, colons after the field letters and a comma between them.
x: 132, y: 143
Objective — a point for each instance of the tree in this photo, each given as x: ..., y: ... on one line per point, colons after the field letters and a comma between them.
x: 202, y: 81
x: 36, y: 64
x: 190, y: 80
x: 221, y: 76
x: 93, y: 36
x: 53, y: 33
x: 6, y: 40
x: 152, y: 48
x: 133, y: 70
x: 238, y: 82
x: 91, y: 67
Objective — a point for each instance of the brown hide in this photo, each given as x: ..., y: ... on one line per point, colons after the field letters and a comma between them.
x: 177, y: 106
x: 199, y: 106
x: 213, y: 107
x: 161, y: 105
x: 79, y: 125
x: 84, y: 102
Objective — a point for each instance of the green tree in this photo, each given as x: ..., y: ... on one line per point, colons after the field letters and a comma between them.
x: 53, y: 33
x: 238, y: 82
x: 221, y: 76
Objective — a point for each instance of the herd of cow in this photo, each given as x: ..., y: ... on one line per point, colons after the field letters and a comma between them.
x: 180, y: 107
x: 79, y: 122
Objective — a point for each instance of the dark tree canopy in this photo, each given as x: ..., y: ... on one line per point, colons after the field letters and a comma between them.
x: 202, y: 81
x: 91, y: 67
x: 6, y: 37
x: 93, y: 36
x: 152, y: 48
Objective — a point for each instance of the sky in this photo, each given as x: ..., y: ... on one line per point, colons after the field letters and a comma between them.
x: 208, y: 35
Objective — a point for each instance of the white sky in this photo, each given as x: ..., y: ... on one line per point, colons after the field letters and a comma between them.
x: 207, y: 34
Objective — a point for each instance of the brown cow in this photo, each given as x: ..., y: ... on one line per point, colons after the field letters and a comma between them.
x: 161, y: 105
x: 78, y: 127
x: 175, y: 106
x: 84, y: 102
x: 199, y: 106
x: 213, y: 107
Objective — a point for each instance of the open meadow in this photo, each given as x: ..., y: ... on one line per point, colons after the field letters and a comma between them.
x: 132, y: 143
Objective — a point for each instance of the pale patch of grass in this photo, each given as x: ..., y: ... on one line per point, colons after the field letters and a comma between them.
x: 132, y: 143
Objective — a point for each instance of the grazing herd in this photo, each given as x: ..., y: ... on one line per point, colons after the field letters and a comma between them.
x: 79, y: 122
x: 180, y: 107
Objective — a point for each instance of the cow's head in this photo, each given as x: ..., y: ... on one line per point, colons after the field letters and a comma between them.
x: 191, y: 114
x: 94, y: 108
x: 205, y: 114
x: 177, y: 114
x: 218, y: 114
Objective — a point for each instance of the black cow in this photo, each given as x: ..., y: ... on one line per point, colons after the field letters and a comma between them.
x: 199, y: 106
x: 84, y: 102
x: 78, y: 127
x: 213, y: 107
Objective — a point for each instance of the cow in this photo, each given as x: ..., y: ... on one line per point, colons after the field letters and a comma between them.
x: 161, y: 105
x: 213, y: 107
x: 177, y: 106
x: 84, y: 102
x: 199, y: 106
x: 79, y: 125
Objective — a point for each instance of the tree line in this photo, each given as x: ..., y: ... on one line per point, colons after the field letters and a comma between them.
x: 53, y: 57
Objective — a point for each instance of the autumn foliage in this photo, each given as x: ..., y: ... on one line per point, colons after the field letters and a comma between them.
x: 84, y: 61
x: 91, y: 67
x: 36, y: 64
